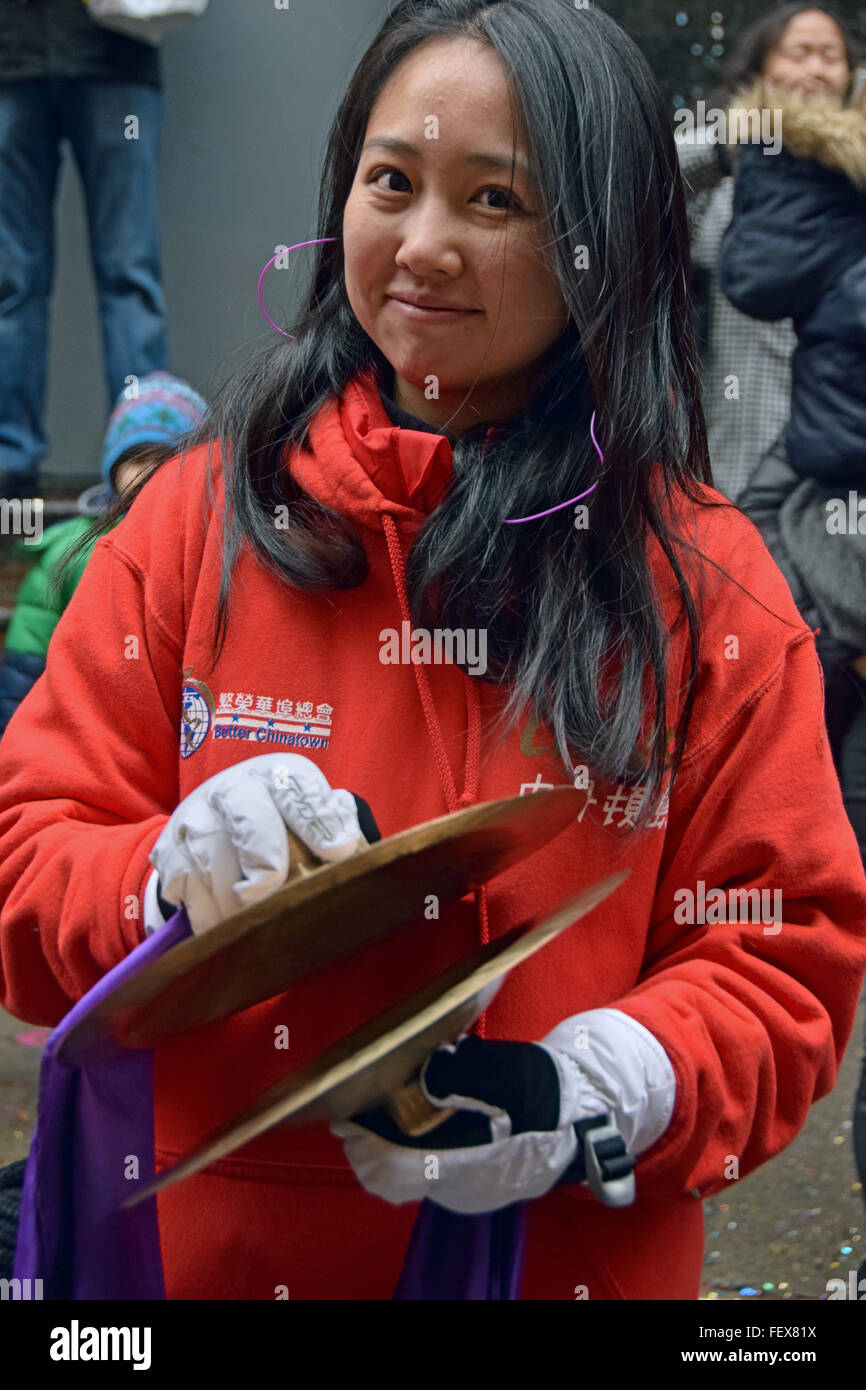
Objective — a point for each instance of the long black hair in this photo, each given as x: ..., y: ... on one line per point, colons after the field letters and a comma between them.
x: 572, y: 619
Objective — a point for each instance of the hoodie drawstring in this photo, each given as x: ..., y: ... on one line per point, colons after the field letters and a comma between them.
x: 469, y: 795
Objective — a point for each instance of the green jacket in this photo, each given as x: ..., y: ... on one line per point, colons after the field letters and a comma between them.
x: 37, y: 607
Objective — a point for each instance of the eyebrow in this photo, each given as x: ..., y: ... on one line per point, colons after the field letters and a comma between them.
x: 835, y: 45
x: 498, y: 161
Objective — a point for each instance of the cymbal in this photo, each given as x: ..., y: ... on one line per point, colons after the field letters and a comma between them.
x: 373, y: 1064
x: 320, y: 917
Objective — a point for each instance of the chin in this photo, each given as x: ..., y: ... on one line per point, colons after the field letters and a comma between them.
x: 416, y: 365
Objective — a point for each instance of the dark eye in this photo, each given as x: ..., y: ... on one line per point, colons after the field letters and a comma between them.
x: 391, y: 174
x: 502, y: 199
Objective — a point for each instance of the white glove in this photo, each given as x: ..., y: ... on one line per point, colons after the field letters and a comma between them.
x: 513, y: 1137
x: 226, y: 846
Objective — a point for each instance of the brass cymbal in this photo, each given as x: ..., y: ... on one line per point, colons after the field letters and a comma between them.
x: 373, y: 1064
x: 320, y: 917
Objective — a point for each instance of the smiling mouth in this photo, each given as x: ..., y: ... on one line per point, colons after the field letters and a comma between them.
x: 431, y: 313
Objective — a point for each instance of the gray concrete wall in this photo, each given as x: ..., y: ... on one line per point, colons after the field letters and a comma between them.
x: 249, y: 94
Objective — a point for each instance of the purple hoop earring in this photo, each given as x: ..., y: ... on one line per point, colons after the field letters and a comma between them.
x: 317, y: 241
x: 515, y: 520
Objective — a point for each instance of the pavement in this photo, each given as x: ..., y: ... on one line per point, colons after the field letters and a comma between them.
x: 779, y: 1234
x: 797, y: 1222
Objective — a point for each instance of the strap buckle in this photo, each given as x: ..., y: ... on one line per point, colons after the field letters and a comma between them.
x: 609, y: 1165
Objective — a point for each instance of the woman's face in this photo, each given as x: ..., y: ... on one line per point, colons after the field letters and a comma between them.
x: 810, y: 56
x: 443, y: 259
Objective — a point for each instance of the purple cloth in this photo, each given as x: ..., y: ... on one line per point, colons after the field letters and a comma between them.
x: 94, y: 1114
x: 464, y: 1257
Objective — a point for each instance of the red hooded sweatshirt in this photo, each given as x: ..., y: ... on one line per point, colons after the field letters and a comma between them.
x: 97, y: 757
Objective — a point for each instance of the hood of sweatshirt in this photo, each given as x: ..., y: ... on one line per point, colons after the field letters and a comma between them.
x: 387, y: 479
x: 368, y: 469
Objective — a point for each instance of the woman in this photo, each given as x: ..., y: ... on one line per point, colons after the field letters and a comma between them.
x: 509, y: 168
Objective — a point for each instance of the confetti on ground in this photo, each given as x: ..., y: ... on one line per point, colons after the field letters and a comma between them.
x: 785, y: 1230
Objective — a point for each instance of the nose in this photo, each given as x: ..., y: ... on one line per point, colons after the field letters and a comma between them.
x: 429, y: 244
x: 816, y: 66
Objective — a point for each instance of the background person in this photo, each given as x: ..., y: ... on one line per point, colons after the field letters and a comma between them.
x: 143, y: 431
x: 62, y: 76
x: 797, y: 246
x: 746, y: 364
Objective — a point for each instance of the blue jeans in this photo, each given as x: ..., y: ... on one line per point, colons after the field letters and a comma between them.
x: 119, y: 179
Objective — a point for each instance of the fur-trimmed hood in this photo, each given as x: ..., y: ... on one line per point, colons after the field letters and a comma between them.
x: 810, y: 128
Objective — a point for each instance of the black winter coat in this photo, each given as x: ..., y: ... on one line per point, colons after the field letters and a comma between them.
x: 57, y: 38
x: 19, y: 672
x: 796, y: 247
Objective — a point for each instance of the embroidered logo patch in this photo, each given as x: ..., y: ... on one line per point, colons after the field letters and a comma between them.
x: 197, y: 710
x: 260, y: 719
x: 263, y: 720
